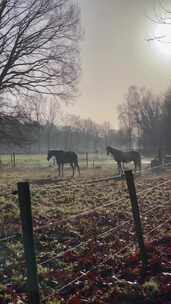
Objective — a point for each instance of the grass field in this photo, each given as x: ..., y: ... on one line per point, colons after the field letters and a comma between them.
x: 40, y: 160
x: 75, y: 213
x: 31, y: 167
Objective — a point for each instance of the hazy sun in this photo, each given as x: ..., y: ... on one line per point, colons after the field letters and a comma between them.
x: 163, y: 38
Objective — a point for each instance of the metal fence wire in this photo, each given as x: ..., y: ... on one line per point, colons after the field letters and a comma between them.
x: 28, y: 232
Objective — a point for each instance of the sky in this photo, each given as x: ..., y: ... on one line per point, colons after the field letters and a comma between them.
x: 115, y: 54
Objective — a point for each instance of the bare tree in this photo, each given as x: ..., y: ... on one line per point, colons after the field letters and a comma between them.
x: 16, y: 128
x: 50, y: 117
x: 36, y: 109
x: 166, y: 119
x: 88, y: 132
x: 39, y: 46
x: 161, y: 15
x: 148, y: 117
x: 106, y: 127
x: 32, y: 106
x: 141, y: 115
x: 126, y: 113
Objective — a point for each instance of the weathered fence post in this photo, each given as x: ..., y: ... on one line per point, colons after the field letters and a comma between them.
x: 27, y: 228
x: 87, y: 159
x: 93, y: 164
x: 13, y: 159
x: 136, y: 216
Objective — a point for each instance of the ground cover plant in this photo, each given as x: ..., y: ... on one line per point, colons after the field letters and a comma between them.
x: 84, y: 234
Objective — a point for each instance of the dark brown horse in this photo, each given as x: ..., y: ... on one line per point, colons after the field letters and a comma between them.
x: 63, y: 157
x: 124, y: 157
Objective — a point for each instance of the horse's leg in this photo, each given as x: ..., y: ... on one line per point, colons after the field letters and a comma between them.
x: 78, y: 168
x: 72, y: 166
x: 122, y: 168
x: 135, y: 165
x: 139, y: 163
x: 59, y: 169
x: 119, y: 167
x: 62, y: 169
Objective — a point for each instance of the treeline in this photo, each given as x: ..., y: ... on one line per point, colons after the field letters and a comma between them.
x: 86, y: 136
x: 146, y: 119
x: 34, y: 126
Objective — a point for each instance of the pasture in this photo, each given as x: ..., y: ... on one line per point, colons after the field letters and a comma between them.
x: 83, y: 230
x: 32, y: 167
x: 40, y: 160
x: 35, y: 166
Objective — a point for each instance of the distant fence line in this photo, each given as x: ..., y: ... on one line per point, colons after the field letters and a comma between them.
x: 10, y: 159
x: 87, y: 159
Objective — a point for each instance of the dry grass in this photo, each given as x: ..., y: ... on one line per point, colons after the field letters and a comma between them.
x: 13, y: 175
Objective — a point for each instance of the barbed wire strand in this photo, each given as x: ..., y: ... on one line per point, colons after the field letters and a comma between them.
x: 86, y: 212
x: 101, y: 263
x: 156, y: 207
x: 10, y: 237
x: 159, y: 226
x: 102, y: 235
x: 91, y: 210
x: 84, y: 274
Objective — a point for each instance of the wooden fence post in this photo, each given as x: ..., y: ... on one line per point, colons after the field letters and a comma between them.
x: 29, y: 251
x: 93, y: 164
x: 136, y: 216
x: 87, y: 159
x: 13, y: 159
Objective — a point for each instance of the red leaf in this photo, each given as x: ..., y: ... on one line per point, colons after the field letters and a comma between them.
x: 75, y: 299
x: 91, y: 276
x: 133, y: 258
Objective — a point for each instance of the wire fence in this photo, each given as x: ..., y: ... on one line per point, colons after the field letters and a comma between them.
x: 115, y: 254
x: 109, y: 231
x: 86, y: 212
x: 98, y: 237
